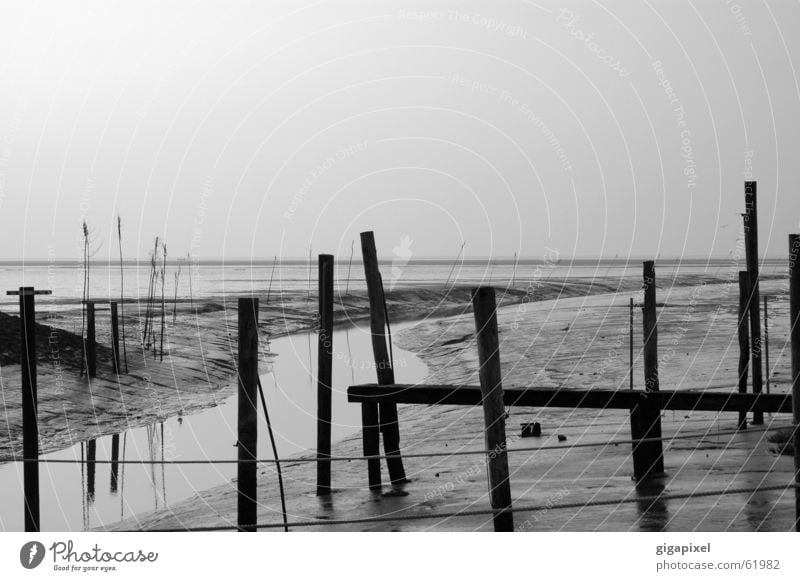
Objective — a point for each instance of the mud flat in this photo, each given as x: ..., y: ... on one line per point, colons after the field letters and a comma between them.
x: 572, y: 342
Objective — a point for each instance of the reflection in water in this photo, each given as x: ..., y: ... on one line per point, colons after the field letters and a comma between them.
x: 653, y: 514
x: 122, y: 478
x: 91, y: 467
x: 114, y: 463
x: 136, y: 488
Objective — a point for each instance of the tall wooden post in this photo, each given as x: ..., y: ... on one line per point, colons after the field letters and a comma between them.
x: 387, y: 411
x: 754, y: 305
x: 371, y: 436
x: 744, y: 339
x: 494, y: 413
x: 247, y: 414
x: 766, y: 344
x: 648, y: 457
x: 91, y: 341
x: 30, y: 421
x: 115, y: 337
x: 794, y: 334
x: 630, y: 343
x: 324, y: 374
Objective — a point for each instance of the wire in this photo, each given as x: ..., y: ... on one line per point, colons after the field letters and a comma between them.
x: 412, y: 455
x: 275, y: 454
x: 482, y: 512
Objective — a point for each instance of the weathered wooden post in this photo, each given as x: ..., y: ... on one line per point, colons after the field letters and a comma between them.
x: 754, y: 305
x: 324, y: 374
x: 247, y: 414
x: 630, y: 343
x: 794, y: 334
x: 115, y: 337
x: 766, y: 344
x: 91, y: 341
x: 30, y: 421
x: 494, y: 413
x: 114, y: 463
x: 744, y: 339
x: 371, y: 436
x: 648, y: 457
x: 387, y: 411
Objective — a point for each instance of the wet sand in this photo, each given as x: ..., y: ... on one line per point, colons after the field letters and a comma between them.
x: 577, y: 341
x: 198, y: 366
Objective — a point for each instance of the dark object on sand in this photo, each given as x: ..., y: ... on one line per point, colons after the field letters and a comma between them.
x: 531, y: 430
x: 562, y: 438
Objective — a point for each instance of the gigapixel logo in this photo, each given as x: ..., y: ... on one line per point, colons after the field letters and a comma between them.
x: 31, y: 554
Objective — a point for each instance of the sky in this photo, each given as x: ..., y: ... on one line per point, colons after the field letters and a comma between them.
x: 249, y: 130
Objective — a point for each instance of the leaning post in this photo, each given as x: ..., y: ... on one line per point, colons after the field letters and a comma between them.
x: 389, y: 425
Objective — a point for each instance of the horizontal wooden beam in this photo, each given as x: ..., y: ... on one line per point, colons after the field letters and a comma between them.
x: 572, y: 398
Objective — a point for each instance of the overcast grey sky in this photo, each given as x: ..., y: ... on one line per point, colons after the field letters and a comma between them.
x: 253, y: 129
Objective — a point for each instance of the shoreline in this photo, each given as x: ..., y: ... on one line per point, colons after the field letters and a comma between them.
x: 198, y: 367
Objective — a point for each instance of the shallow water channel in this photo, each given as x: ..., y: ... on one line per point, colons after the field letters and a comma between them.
x: 83, y: 496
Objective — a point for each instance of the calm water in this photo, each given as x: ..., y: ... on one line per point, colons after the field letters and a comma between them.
x: 76, y: 498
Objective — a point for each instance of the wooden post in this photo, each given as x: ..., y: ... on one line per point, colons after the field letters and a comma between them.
x: 91, y: 341
x: 494, y: 412
x: 247, y: 414
x: 794, y: 334
x: 630, y: 342
x: 30, y: 425
x: 766, y: 344
x: 114, y: 463
x: 754, y: 305
x: 744, y: 339
x: 324, y: 374
x: 387, y: 411
x: 648, y: 457
x: 115, y: 337
x: 371, y: 436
